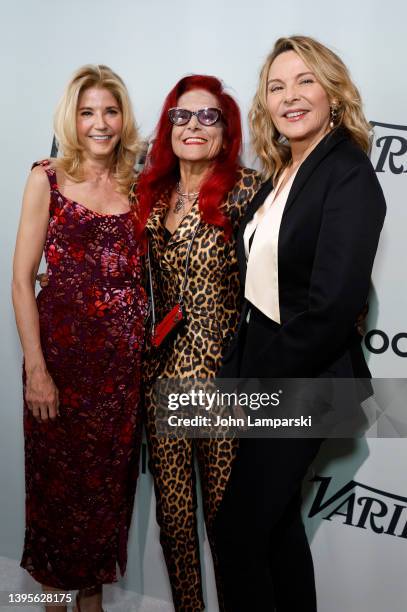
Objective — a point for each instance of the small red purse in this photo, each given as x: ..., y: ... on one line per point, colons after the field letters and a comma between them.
x: 166, y: 330
x: 169, y: 326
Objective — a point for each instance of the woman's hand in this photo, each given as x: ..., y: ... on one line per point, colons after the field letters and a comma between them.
x: 43, y: 279
x: 41, y: 395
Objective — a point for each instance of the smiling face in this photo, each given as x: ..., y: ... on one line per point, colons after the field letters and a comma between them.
x: 194, y: 142
x: 99, y: 122
x: 298, y: 104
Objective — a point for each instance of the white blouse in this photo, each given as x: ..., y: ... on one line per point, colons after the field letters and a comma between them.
x: 261, y: 288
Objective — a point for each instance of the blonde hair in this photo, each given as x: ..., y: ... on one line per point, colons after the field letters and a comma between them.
x: 274, y: 153
x: 128, y: 148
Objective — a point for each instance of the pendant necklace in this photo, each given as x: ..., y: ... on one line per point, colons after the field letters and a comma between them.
x: 180, y: 204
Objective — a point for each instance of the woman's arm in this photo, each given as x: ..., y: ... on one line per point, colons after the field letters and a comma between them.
x: 41, y: 392
x: 307, y: 344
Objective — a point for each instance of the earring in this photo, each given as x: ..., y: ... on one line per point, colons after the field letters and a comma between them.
x: 333, y: 116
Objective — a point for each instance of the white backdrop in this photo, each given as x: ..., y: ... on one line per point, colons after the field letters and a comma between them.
x: 151, y: 45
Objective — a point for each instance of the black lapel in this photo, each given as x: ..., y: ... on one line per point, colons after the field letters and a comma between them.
x: 307, y: 167
x: 257, y: 201
x: 311, y: 162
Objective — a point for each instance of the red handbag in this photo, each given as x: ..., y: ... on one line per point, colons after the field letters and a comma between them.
x: 167, y: 329
x: 169, y: 326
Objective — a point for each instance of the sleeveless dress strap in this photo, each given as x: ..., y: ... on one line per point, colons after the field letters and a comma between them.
x: 50, y: 172
x: 52, y: 179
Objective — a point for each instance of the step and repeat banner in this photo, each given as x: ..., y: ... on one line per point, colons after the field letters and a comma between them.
x: 355, y: 497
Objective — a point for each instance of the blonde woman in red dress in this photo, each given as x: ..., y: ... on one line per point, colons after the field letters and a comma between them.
x: 82, y: 341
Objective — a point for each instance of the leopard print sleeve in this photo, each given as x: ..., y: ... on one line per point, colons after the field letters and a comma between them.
x: 247, y: 185
x: 133, y: 197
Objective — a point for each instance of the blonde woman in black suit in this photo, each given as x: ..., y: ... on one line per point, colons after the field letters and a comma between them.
x: 306, y: 250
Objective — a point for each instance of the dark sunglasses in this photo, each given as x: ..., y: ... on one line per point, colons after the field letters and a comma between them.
x: 205, y: 116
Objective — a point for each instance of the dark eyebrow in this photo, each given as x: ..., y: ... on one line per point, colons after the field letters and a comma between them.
x: 301, y: 74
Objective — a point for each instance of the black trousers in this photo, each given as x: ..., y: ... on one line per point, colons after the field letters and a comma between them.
x: 263, y: 552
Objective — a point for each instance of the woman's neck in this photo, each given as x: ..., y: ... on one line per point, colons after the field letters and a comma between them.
x: 300, y: 149
x: 192, y: 175
x: 97, y: 170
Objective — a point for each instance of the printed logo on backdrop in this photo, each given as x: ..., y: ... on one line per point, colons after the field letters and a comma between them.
x: 361, y: 506
x: 389, y: 148
x: 378, y: 342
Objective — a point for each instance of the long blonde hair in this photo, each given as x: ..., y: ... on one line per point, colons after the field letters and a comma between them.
x: 273, y: 152
x: 65, y: 125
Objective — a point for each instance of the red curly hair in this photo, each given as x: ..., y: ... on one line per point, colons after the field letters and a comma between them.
x: 161, y: 171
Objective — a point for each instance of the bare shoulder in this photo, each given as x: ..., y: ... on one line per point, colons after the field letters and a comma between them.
x: 38, y: 179
x: 49, y: 163
x: 37, y: 173
x: 52, y: 163
x: 37, y: 189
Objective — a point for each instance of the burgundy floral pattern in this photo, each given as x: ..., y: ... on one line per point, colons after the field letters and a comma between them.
x: 81, y: 470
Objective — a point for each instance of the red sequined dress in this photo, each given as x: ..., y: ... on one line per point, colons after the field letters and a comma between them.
x: 81, y: 469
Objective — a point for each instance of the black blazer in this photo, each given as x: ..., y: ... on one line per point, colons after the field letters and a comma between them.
x: 327, y: 243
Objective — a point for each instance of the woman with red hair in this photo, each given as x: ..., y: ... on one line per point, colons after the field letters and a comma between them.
x: 192, y: 195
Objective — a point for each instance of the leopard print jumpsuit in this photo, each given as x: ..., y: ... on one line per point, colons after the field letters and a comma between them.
x: 212, y: 302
